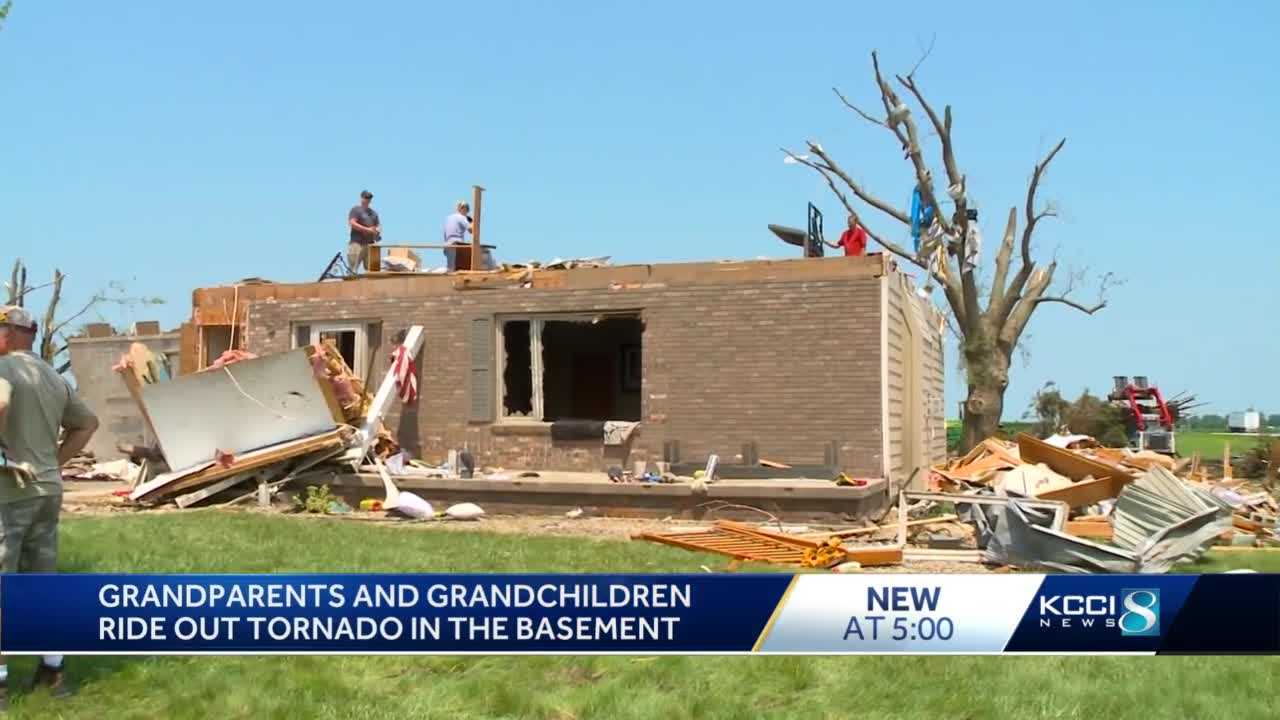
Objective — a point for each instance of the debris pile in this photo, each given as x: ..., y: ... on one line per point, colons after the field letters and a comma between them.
x: 264, y: 421
x: 1065, y: 504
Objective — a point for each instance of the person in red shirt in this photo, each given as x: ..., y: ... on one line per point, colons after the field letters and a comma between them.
x: 853, y: 240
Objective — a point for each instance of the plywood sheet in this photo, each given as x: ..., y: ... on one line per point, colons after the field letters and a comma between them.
x: 245, y: 406
x: 1065, y: 462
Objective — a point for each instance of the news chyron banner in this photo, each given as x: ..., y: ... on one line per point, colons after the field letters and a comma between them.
x: 638, y: 614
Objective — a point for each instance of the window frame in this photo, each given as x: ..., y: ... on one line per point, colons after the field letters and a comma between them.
x: 537, y: 321
x: 359, y: 327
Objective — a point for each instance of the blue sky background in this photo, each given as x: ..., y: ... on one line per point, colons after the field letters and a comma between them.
x: 172, y: 145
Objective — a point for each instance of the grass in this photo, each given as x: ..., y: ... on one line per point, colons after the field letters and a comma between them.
x: 1210, y: 444
x: 1207, y: 442
x: 566, y: 687
x: 1011, y: 428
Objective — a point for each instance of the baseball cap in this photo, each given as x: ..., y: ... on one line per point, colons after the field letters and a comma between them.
x: 17, y: 317
x: 366, y: 194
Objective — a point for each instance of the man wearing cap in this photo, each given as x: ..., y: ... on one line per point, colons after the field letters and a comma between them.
x: 366, y: 229
x: 36, y: 404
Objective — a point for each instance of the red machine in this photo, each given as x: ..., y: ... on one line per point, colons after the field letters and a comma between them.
x: 1150, y: 420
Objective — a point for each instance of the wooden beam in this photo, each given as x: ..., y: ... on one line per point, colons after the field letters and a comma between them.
x: 477, y: 194
x: 1098, y: 529
x: 1065, y: 462
x: 255, y: 460
x: 876, y: 528
x: 870, y: 556
x: 1226, y: 461
x: 1085, y: 493
x: 1273, y: 460
x: 191, y: 498
x: 130, y: 379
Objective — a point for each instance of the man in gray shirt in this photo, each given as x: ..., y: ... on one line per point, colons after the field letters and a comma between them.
x: 36, y: 405
x: 366, y: 229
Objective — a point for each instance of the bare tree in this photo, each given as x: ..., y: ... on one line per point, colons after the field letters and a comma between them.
x: 987, y: 335
x: 53, y: 339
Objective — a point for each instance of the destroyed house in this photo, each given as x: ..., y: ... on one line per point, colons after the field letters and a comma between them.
x: 834, y: 364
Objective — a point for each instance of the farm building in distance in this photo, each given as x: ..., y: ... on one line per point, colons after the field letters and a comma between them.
x: 832, y: 362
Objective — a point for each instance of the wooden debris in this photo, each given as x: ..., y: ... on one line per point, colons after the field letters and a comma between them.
x: 1075, y: 465
x: 879, y: 528
x: 741, y: 541
x: 176, y: 482
x: 1095, y: 528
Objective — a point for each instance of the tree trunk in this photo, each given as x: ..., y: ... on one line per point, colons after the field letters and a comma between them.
x: 987, y: 370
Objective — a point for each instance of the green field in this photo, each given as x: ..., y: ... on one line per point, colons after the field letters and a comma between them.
x: 568, y: 687
x: 1210, y: 444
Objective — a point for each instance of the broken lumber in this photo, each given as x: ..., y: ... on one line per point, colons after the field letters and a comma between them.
x: 842, y: 534
x: 174, y: 482
x: 1065, y: 462
x: 1097, y: 529
x: 191, y: 498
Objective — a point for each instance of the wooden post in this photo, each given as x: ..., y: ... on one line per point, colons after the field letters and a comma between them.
x: 1273, y: 457
x: 477, y: 194
x: 1226, y: 461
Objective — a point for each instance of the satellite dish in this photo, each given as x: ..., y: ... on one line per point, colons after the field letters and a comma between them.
x: 789, y: 235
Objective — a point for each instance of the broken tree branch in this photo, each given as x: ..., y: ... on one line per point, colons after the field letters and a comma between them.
x: 924, y: 56
x: 1003, y: 258
x: 857, y: 189
x: 1015, y: 290
x: 825, y: 171
x: 866, y: 116
x: 87, y: 307
x: 50, y: 332
x: 1086, y: 309
x: 1104, y: 284
x: 14, y: 287
x: 1032, y: 216
x: 911, y: 145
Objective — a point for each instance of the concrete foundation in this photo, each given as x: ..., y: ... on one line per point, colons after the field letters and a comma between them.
x: 813, y: 501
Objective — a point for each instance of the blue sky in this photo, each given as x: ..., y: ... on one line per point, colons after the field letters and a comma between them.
x: 170, y: 146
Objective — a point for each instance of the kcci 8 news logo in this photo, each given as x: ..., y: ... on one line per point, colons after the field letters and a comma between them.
x: 1136, y: 612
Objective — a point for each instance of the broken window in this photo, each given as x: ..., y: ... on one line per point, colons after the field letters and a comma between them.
x: 571, y: 367
x: 216, y: 339
x: 354, y: 341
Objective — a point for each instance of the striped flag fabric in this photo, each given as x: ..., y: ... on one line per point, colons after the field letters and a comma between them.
x: 406, y: 375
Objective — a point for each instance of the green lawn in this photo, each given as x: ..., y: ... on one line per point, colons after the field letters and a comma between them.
x: 600, y: 687
x: 1209, y: 444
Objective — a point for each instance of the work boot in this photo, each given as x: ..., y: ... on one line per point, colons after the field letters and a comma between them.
x: 52, y: 678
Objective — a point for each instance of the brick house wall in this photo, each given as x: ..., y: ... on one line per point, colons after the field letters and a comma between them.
x: 787, y: 355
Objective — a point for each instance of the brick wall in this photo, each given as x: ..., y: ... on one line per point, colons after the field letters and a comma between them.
x: 790, y: 365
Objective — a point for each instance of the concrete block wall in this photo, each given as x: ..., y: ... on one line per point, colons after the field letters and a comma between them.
x: 790, y: 365
x: 104, y: 392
